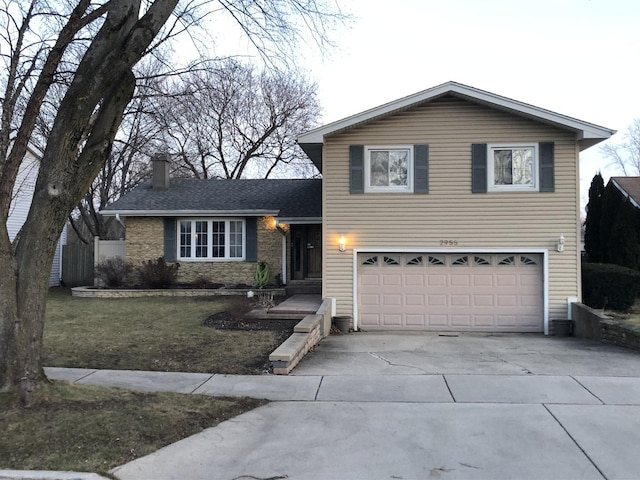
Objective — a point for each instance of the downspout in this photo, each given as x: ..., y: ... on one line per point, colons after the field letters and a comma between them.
x: 284, y: 252
x: 120, y: 221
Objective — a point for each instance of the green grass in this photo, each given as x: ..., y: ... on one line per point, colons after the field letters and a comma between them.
x: 153, y: 333
x: 94, y: 429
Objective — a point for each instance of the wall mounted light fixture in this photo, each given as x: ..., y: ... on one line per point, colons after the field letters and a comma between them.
x: 342, y: 244
x: 560, y: 246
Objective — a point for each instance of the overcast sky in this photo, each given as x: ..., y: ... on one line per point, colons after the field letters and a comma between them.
x: 576, y: 57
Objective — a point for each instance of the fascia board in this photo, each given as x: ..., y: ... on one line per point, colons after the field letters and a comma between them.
x: 584, y: 129
x: 189, y: 213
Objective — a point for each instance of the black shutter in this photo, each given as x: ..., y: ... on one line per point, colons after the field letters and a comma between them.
x: 421, y: 168
x: 479, y: 168
x: 170, y: 239
x: 356, y: 169
x: 252, y: 240
x: 546, y: 162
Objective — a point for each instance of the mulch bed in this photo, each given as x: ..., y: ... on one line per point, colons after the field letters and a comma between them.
x: 230, y: 321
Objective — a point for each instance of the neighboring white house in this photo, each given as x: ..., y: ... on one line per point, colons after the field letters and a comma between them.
x: 21, y: 202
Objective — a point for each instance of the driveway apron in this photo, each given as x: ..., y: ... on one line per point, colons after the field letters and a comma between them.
x: 422, y: 406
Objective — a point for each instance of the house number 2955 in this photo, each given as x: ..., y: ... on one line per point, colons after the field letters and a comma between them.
x: 449, y: 243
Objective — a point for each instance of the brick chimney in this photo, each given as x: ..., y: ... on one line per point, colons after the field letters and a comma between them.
x: 161, y: 163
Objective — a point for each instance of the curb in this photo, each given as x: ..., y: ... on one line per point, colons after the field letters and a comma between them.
x: 47, y: 475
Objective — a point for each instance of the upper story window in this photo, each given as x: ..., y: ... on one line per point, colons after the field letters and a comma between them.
x: 388, y: 169
x: 512, y: 167
x: 211, y: 239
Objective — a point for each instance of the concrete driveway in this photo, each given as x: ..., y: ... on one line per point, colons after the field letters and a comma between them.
x: 423, y: 406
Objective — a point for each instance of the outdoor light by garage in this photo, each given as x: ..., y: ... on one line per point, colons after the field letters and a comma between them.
x: 560, y: 246
x: 342, y: 244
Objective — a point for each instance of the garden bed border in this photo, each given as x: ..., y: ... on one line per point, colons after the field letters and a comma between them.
x: 92, y: 292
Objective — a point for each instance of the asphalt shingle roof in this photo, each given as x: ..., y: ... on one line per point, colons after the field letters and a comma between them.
x: 292, y: 198
x: 631, y: 185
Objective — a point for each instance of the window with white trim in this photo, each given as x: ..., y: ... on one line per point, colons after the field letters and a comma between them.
x: 211, y: 239
x: 512, y: 167
x: 388, y: 169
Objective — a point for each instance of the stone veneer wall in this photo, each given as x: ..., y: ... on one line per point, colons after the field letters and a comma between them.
x: 145, y: 241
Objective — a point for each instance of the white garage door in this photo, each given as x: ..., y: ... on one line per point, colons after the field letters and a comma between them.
x: 450, y: 292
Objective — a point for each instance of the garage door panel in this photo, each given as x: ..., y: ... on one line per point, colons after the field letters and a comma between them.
x: 437, y: 300
x: 369, y: 300
x: 483, y: 280
x: 392, y: 280
x: 435, y: 280
x: 369, y: 279
x: 438, y: 320
x: 506, y: 301
x: 460, y: 300
x: 460, y: 280
x: 415, y: 320
x: 413, y: 300
x: 412, y: 280
x: 530, y: 280
x: 483, y: 292
x: 394, y: 319
x: 370, y: 320
x: 506, y: 280
x: 483, y: 320
x: 461, y: 320
x: 483, y: 300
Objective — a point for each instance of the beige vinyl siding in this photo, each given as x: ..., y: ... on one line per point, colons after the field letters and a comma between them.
x: 450, y: 211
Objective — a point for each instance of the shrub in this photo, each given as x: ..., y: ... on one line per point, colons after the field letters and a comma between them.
x: 113, y: 272
x: 158, y: 273
x: 609, y: 286
x: 204, y: 282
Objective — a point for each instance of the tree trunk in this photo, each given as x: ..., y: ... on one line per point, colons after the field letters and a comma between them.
x: 80, y: 141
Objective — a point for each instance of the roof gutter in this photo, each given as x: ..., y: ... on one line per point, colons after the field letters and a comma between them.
x: 189, y: 213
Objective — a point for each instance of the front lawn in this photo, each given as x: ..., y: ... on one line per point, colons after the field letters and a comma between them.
x: 153, y: 333
x: 94, y: 429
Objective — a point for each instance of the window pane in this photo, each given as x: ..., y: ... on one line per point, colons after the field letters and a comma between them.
x: 185, y: 239
x: 379, y: 169
x: 522, y: 166
x: 235, y: 239
x: 201, y: 239
x: 398, y: 168
x: 217, y: 229
x: 502, y: 165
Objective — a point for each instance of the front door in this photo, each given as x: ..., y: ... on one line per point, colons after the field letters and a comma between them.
x: 307, y: 251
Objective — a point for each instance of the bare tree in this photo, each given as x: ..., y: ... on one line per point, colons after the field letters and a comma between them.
x: 39, y: 41
x: 231, y: 121
x: 625, y: 155
x: 128, y: 164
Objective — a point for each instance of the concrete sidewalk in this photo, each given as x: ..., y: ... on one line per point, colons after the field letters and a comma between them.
x: 381, y: 406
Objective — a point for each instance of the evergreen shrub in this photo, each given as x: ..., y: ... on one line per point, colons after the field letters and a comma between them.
x: 609, y: 286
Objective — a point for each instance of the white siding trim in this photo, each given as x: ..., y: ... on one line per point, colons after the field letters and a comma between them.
x: 543, y: 251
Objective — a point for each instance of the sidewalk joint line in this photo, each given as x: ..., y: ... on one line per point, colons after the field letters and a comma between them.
x: 444, y: 377
x: 579, y: 383
x: 87, y: 375
x: 210, y: 377
x: 574, y: 441
x: 318, y: 389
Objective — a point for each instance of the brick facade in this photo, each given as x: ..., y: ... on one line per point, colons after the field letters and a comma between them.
x: 145, y: 241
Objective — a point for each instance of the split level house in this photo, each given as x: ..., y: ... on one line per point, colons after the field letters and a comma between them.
x: 453, y: 209
x: 21, y: 203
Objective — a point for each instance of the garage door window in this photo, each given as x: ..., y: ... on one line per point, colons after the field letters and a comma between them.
x: 481, y: 260
x: 372, y: 260
x: 436, y: 260
x: 460, y: 261
x: 392, y: 260
x: 510, y: 260
x: 414, y: 261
